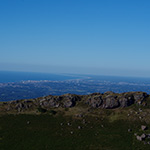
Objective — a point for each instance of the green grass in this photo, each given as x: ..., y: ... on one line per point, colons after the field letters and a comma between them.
x: 45, y: 132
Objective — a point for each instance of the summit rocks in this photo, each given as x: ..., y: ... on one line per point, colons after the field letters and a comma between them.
x: 110, y: 100
x: 107, y: 100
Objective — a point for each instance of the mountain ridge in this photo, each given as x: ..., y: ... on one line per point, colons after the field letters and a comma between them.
x: 107, y: 100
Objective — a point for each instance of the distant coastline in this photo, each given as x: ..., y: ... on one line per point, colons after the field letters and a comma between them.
x: 14, y: 76
x: 26, y: 85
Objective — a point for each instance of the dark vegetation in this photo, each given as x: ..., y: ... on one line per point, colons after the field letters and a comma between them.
x: 85, y: 124
x: 46, y: 132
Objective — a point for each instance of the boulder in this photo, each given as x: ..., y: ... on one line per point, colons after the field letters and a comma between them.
x: 95, y: 101
x: 143, y: 127
x: 69, y: 100
x: 20, y: 106
x: 125, y: 101
x: 110, y: 102
x: 53, y: 103
x: 139, y: 97
x: 129, y: 130
x: 143, y: 136
x: 68, y: 103
x: 50, y: 101
x: 138, y: 138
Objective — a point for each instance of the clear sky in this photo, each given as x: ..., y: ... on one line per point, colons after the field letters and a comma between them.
x: 106, y: 37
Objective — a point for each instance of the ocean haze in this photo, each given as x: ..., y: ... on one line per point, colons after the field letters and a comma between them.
x: 61, y: 69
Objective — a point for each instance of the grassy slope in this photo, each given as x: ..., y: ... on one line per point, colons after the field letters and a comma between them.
x: 104, y: 129
x: 46, y: 132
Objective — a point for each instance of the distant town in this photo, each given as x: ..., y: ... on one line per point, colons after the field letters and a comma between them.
x: 33, y: 89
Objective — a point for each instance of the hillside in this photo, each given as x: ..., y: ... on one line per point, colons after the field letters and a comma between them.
x: 108, y: 121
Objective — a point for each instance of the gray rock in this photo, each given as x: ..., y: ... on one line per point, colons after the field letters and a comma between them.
x: 125, y: 101
x: 143, y: 136
x: 143, y: 127
x: 61, y: 123
x: 45, y: 103
x: 140, y: 117
x: 50, y: 101
x: 53, y: 103
x: 28, y: 122
x: 68, y: 103
x: 139, y: 97
x: 20, y: 107
x: 110, y: 102
x: 83, y: 121
x: 68, y: 124
x: 129, y: 130
x: 138, y: 138
x: 69, y: 100
x: 95, y: 101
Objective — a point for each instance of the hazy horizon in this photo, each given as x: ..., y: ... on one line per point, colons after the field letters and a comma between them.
x: 73, y: 74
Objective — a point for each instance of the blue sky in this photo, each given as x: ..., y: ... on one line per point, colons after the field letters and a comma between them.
x: 106, y: 37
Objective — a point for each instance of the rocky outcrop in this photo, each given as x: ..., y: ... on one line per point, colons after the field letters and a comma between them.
x: 125, y: 100
x: 107, y: 100
x: 110, y: 102
x: 94, y: 100
x: 69, y: 100
x: 139, y: 97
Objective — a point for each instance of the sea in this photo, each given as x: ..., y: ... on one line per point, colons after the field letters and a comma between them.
x: 14, y: 76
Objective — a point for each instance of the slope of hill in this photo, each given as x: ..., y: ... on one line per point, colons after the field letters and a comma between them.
x: 108, y: 121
